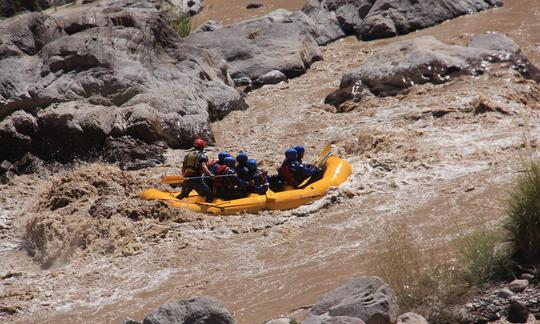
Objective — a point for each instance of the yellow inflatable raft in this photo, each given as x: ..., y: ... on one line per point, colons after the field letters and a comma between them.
x: 337, y: 171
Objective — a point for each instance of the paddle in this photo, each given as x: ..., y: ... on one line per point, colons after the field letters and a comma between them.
x: 179, y: 179
x: 321, y: 160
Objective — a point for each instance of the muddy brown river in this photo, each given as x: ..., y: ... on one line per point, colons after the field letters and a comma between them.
x: 431, y: 176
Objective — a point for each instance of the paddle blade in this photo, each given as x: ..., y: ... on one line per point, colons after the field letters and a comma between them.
x: 270, y: 196
x: 324, y: 152
x: 172, y: 179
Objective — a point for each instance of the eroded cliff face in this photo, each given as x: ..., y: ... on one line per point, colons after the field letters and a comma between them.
x: 432, y: 157
x: 69, y: 83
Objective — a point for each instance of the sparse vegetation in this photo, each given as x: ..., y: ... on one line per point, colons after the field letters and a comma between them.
x: 523, y: 209
x: 429, y: 281
x: 178, y: 20
x: 483, y: 255
x: 424, y: 280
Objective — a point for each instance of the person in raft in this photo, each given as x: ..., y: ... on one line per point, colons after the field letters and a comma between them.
x: 193, y: 169
x: 294, y: 173
x: 227, y: 185
x: 257, y: 182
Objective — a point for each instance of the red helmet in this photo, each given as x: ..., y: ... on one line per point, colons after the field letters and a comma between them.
x: 199, y: 144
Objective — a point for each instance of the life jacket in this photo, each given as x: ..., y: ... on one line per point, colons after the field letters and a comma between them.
x: 223, y: 183
x: 213, y: 165
x: 286, y: 174
x: 192, y: 164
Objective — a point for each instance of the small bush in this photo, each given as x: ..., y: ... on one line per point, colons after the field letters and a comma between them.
x: 483, y: 257
x: 523, y: 209
x: 423, y: 280
x: 179, y: 21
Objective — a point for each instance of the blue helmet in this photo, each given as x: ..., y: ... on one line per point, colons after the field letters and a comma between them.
x: 229, y: 161
x: 299, y: 149
x: 251, y: 164
x: 222, y: 155
x: 242, y: 158
x: 291, y: 154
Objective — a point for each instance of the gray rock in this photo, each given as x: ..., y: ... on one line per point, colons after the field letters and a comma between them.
x: 210, y: 25
x: 517, y: 312
x: 372, y: 19
x: 254, y: 5
x: 526, y: 276
x: 400, y: 65
x: 494, y: 41
x: 388, y: 18
x: 350, y: 92
x: 272, y: 77
x: 109, y: 72
x: 343, y: 320
x: 131, y: 321
x: 365, y: 298
x: 281, y: 40
x: 518, y: 285
x: 505, y: 293
x: 132, y: 154
x: 279, y: 321
x: 411, y: 318
x: 199, y: 310
x: 9, y: 8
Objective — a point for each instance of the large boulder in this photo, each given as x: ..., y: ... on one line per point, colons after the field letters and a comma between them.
x: 421, y: 60
x: 401, y: 65
x: 366, y: 298
x: 372, y: 19
x: 9, y: 8
x: 281, y: 40
x: 389, y: 18
x: 67, y: 84
x: 199, y: 310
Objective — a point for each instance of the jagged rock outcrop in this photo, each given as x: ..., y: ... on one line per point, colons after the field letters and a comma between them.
x: 281, y: 40
x: 67, y: 84
x: 199, y: 310
x: 365, y: 298
x: 372, y: 19
x: 401, y: 65
x: 9, y: 8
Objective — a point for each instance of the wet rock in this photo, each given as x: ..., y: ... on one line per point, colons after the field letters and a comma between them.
x: 411, y: 318
x: 421, y: 60
x: 279, y: 321
x: 132, y: 154
x: 365, y: 298
x: 372, y: 19
x: 9, y: 8
x: 199, y: 310
x: 210, y: 25
x: 281, y: 40
x: 505, y: 293
x: 27, y: 164
x: 517, y: 312
x: 254, y: 5
x: 494, y: 41
x: 272, y: 77
x: 518, y: 285
x: 527, y: 276
x: 131, y: 321
x: 344, y: 320
x: 351, y: 92
x: 388, y: 18
x: 106, y: 73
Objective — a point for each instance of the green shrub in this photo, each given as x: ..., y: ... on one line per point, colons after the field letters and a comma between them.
x: 483, y: 257
x: 523, y: 209
x: 179, y: 21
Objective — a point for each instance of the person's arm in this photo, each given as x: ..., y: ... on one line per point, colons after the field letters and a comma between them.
x: 205, y: 169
